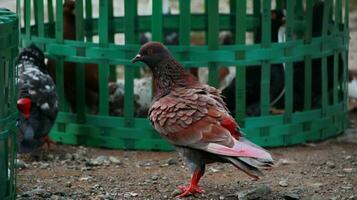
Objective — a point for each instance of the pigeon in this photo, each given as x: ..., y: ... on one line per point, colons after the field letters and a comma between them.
x: 193, y: 117
x: 37, y: 99
x: 142, y: 97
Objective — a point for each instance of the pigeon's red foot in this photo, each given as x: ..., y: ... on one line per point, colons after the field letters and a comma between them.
x: 187, y: 190
x: 48, y: 142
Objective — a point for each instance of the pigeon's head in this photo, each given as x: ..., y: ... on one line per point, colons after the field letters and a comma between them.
x: 151, y: 54
x: 32, y: 54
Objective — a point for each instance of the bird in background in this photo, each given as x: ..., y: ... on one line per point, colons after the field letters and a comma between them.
x: 193, y: 117
x: 91, y: 70
x: 37, y: 100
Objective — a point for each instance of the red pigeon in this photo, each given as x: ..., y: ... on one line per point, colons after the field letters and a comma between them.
x: 194, y: 118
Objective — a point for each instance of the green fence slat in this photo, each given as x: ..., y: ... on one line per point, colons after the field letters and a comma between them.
x: 257, y: 14
x: 130, y: 15
x: 289, y: 66
x: 104, y: 65
x: 265, y: 73
x: 156, y: 20
x: 212, y: 38
x: 280, y: 4
x: 185, y: 22
x: 80, y: 70
x: 111, y: 34
x: 27, y: 18
x: 89, y: 19
x: 51, y: 22
x: 39, y: 17
x: 240, y: 36
x: 325, y: 96
x: 9, y: 42
x: 307, y: 60
x: 60, y: 60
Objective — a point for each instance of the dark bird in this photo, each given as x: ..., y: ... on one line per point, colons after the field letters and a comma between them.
x: 193, y: 117
x: 316, y: 68
x: 253, y: 76
x: 37, y: 99
x: 91, y: 70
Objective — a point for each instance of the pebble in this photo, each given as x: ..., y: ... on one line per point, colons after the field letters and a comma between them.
x: 86, y: 178
x: 68, y: 184
x: 283, y: 183
x: 114, y: 160
x: 37, y: 191
x: 294, y: 194
x: 176, y: 192
x: 348, y: 170
x: 171, y: 161
x: 44, y: 165
x: 20, y: 164
x: 154, y: 177
x: 260, y: 192
x: 330, y: 164
x: 100, y: 160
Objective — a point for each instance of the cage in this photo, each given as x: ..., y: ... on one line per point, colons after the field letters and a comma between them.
x: 314, y: 60
x: 9, y: 42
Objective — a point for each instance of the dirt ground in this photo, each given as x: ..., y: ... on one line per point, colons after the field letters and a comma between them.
x: 325, y: 170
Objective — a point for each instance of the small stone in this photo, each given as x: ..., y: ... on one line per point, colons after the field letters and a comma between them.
x: 154, y: 177
x: 44, y: 165
x: 294, y: 194
x: 283, y: 183
x: 214, y: 170
x: 316, y: 184
x: 69, y: 156
x: 348, y: 170
x: 68, y: 184
x: 346, y: 187
x: 86, y: 178
x: 114, y: 160
x: 348, y: 157
x: 172, y: 161
x: 330, y: 164
x: 20, y: 164
x: 291, y: 196
x: 37, y: 191
x: 260, y: 192
x: 100, y: 160
x: 176, y: 192
x: 133, y: 194
x: 221, y: 198
x: 285, y: 162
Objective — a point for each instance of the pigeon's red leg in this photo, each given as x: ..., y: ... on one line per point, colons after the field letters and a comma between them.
x: 48, y: 141
x: 193, y: 188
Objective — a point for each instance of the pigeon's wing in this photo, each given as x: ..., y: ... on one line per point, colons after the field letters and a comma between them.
x: 194, y: 118
x: 41, y: 89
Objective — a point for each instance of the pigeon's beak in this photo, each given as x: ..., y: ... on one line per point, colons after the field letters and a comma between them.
x: 136, y: 59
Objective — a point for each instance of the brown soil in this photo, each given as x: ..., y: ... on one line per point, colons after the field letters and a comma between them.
x: 326, y: 170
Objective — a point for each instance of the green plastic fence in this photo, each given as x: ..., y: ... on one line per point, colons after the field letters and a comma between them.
x: 9, y: 37
x: 129, y: 132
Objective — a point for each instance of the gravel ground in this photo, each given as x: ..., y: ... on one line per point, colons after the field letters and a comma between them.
x: 326, y: 170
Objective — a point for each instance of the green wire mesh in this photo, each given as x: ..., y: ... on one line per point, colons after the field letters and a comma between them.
x: 9, y: 33
x: 129, y: 132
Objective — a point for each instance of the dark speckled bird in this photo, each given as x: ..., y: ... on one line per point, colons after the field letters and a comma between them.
x: 193, y: 117
x: 37, y: 99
